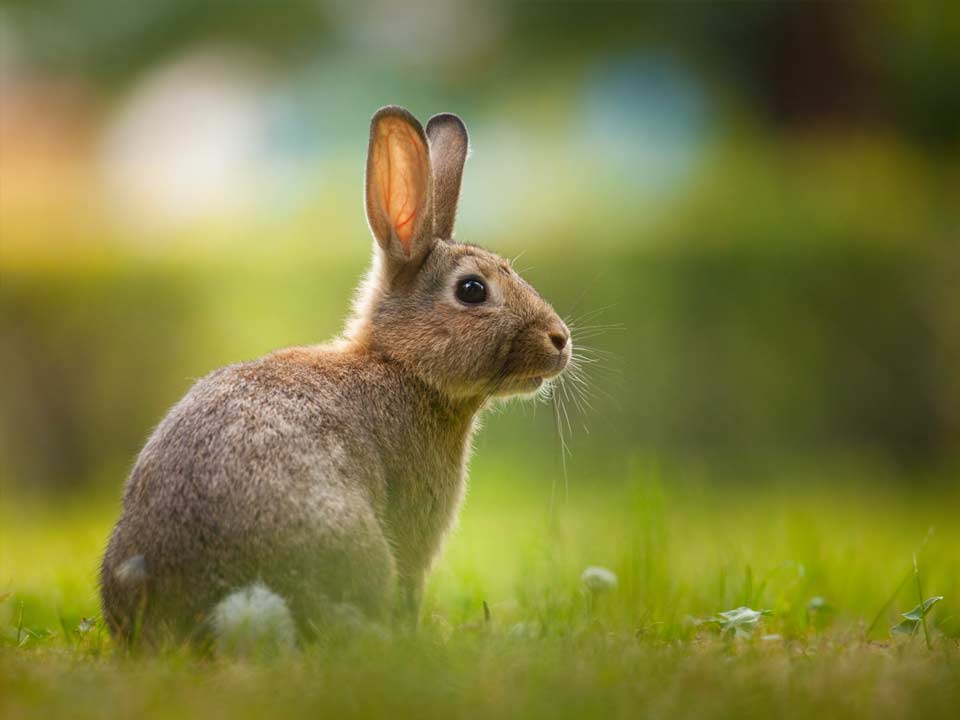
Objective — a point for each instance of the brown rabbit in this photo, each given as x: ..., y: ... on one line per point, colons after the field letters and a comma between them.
x: 282, y: 492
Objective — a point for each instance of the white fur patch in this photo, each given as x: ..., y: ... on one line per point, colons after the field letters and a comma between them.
x: 132, y: 571
x: 253, y: 621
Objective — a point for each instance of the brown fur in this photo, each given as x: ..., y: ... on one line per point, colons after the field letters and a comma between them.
x: 332, y: 473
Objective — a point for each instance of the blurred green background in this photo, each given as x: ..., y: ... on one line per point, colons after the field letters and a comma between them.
x: 758, y: 202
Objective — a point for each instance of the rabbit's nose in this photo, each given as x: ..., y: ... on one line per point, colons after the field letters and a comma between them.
x: 559, y: 337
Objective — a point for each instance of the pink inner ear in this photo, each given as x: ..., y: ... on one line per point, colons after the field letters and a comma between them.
x: 401, y: 173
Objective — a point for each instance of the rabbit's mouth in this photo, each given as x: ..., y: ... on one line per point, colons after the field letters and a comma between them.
x: 520, y: 385
x: 532, y: 383
x: 563, y: 359
x: 523, y: 385
x: 534, y: 372
x: 527, y: 385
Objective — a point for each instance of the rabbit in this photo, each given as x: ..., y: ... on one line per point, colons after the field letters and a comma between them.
x: 318, y: 482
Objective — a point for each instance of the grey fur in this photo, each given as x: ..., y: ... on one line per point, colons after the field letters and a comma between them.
x: 331, y: 473
x: 448, y: 152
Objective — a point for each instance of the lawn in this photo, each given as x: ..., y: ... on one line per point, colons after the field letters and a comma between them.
x: 831, y: 562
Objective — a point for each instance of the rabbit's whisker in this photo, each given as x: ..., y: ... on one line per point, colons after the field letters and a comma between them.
x: 583, y: 317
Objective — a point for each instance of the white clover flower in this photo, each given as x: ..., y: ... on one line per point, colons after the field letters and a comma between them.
x: 598, y: 579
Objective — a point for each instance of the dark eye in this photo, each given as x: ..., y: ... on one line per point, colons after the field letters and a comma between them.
x: 471, y: 291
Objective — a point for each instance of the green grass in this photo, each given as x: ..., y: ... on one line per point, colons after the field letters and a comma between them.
x: 832, y: 562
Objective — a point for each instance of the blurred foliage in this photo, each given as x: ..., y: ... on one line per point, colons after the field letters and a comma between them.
x: 757, y: 200
x: 898, y: 61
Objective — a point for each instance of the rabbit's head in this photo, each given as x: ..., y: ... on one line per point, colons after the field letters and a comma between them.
x: 457, y: 315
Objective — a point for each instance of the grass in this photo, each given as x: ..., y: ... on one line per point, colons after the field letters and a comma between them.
x: 826, y: 560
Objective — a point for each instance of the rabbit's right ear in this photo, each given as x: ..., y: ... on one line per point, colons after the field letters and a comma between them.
x: 398, y: 185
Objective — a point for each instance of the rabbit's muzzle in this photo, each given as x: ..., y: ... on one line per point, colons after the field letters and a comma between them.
x: 541, y: 353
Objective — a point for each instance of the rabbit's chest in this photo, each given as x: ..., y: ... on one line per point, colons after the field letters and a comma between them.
x: 423, y: 504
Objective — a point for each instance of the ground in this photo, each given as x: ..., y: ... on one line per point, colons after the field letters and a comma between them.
x: 831, y: 560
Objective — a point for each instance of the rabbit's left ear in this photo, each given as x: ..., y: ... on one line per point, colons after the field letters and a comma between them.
x: 398, y: 185
x: 448, y: 151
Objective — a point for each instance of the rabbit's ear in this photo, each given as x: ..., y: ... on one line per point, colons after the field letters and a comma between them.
x: 398, y: 184
x: 448, y: 151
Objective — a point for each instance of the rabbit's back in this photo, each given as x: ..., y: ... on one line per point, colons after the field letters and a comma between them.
x: 265, y: 471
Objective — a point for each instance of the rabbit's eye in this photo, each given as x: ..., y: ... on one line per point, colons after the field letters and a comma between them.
x: 471, y: 291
